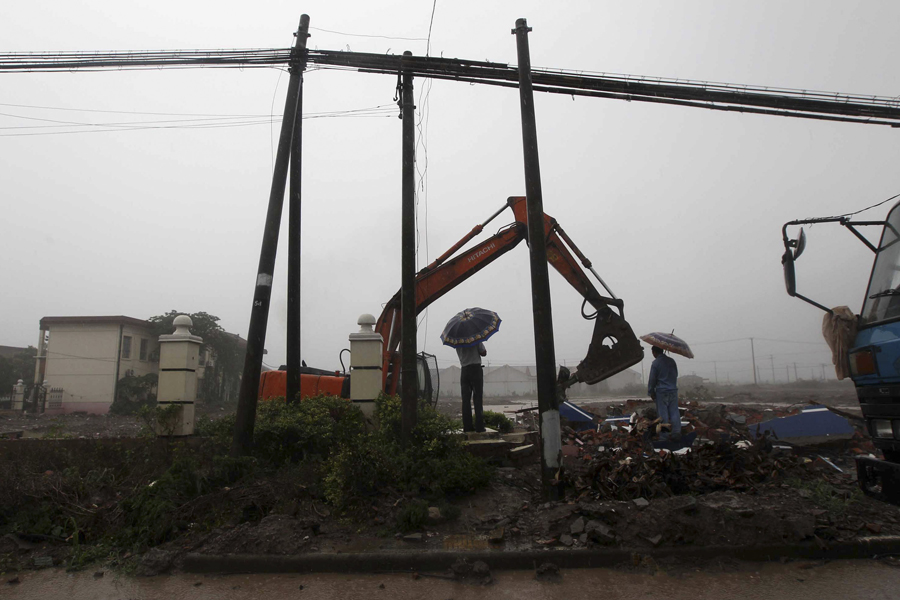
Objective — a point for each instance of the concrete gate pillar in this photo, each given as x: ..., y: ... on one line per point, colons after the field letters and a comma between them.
x: 366, y: 366
x: 178, y: 359
x: 18, y: 398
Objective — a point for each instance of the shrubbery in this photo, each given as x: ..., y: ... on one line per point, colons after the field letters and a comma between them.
x: 497, y: 421
x: 434, y: 464
x: 315, y: 449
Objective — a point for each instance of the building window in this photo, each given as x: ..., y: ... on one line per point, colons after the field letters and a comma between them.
x: 126, y: 346
x: 145, y: 343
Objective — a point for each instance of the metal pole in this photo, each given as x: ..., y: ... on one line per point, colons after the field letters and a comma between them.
x: 716, y: 369
x: 548, y: 403
x: 753, y: 356
x: 245, y: 418
x: 772, y: 360
x: 796, y: 378
x: 294, y: 204
x: 409, y: 384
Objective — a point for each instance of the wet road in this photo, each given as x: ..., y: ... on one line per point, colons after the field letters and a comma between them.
x: 797, y: 581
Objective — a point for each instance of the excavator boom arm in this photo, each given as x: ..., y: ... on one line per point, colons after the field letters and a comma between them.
x: 613, y: 347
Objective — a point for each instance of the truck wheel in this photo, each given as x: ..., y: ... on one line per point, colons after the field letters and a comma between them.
x: 890, y: 479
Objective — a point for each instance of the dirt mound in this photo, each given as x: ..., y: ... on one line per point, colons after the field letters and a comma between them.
x: 275, y: 534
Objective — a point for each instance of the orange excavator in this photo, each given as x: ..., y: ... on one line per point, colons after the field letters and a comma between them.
x: 613, y: 347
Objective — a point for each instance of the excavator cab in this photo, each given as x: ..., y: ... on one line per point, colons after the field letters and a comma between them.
x: 429, y: 380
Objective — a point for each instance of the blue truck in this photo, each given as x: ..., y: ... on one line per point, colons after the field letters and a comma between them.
x: 873, y: 357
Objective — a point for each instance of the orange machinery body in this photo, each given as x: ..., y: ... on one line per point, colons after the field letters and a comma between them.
x: 448, y: 271
x: 273, y: 384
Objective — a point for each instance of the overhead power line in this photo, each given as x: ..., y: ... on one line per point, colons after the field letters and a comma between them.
x: 811, y: 104
x: 69, y: 127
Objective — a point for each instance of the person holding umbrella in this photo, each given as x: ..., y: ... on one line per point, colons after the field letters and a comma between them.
x: 663, y: 383
x: 466, y: 332
x: 663, y: 388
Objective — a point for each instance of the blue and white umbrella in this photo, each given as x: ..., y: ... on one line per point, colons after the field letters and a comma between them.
x: 470, y: 327
x: 669, y: 342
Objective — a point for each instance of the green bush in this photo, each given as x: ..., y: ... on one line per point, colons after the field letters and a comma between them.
x: 412, y: 516
x: 434, y: 464
x: 497, y: 421
x: 133, y: 393
x: 315, y: 427
x: 151, y: 513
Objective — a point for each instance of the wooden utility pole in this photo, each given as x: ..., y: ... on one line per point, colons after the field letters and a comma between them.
x: 753, y: 358
x: 245, y: 417
x: 408, y: 376
x: 545, y: 356
x: 294, y: 360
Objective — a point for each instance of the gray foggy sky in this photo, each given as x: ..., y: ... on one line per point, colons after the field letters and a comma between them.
x: 679, y: 208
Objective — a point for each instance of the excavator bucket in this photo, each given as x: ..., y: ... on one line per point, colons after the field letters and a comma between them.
x: 614, y: 348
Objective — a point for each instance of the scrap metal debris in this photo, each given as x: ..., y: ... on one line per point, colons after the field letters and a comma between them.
x: 721, y: 448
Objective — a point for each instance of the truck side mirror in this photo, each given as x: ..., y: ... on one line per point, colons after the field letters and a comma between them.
x: 792, y: 251
x: 790, y: 279
x: 799, y: 244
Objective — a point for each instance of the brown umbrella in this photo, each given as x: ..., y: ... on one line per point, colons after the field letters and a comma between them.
x: 669, y: 342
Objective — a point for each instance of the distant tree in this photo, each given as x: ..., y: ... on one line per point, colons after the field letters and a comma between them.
x: 18, y: 366
x: 133, y: 393
x: 221, y: 379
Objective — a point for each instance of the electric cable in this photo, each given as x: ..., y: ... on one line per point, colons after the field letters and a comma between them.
x: 755, y: 99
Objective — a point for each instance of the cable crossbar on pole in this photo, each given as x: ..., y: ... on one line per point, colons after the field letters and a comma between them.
x: 811, y: 104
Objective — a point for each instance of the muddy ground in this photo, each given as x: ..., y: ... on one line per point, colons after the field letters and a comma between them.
x: 811, y: 501
x: 84, y: 425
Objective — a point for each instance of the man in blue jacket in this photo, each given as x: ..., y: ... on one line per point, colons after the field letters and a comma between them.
x: 663, y: 387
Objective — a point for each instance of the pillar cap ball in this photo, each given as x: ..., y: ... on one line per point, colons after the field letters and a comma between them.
x: 182, y: 325
x: 366, y: 322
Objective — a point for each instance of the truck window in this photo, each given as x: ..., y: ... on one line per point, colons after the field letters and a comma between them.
x: 885, y: 281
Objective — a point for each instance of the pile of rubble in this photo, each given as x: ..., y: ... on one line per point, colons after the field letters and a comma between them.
x: 631, y: 471
x: 623, y: 458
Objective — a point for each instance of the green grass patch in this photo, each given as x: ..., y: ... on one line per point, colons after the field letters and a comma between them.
x: 498, y: 421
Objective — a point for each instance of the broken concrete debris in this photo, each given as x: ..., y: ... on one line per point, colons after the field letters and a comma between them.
x: 630, y: 456
x: 577, y: 526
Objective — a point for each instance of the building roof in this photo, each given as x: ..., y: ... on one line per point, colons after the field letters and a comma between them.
x: 11, y: 350
x: 116, y: 320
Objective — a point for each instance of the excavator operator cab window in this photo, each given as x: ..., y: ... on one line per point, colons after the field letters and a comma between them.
x: 882, y: 301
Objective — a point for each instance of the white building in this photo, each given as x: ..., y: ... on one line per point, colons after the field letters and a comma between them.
x: 82, y: 359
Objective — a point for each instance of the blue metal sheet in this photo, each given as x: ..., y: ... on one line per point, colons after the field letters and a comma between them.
x: 814, y: 422
x: 580, y: 420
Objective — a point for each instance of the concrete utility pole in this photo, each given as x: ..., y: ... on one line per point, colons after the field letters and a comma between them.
x: 716, y: 371
x: 787, y: 374
x: 823, y: 371
x: 753, y: 358
x: 408, y: 380
x: 772, y: 360
x: 245, y: 417
x: 294, y: 360
x: 545, y: 355
x: 796, y: 378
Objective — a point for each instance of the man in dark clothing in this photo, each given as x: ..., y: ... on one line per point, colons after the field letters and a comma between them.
x: 663, y: 387
x: 471, y: 383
